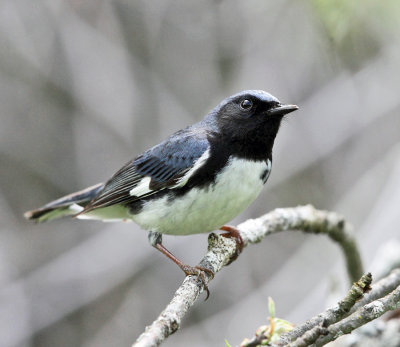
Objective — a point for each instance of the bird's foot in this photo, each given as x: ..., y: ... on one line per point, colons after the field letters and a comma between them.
x: 156, y: 241
x: 234, y: 233
x: 200, y: 272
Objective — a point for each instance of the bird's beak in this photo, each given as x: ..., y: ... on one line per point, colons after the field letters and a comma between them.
x: 281, y: 110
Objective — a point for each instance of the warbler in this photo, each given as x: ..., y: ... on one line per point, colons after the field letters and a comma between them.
x: 195, y: 181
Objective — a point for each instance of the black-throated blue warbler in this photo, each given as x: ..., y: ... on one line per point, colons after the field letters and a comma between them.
x: 195, y: 181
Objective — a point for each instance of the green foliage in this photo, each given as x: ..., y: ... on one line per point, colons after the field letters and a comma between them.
x: 357, y: 29
x: 227, y: 343
x: 271, y: 307
x: 341, y: 17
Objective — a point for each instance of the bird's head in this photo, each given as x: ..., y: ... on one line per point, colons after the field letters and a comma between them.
x: 251, y: 115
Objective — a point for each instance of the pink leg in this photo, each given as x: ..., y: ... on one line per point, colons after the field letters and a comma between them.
x: 188, y: 270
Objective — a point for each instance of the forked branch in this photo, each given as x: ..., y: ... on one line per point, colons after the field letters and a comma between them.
x: 221, y: 250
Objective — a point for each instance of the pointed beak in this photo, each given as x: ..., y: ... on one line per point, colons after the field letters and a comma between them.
x: 281, y: 110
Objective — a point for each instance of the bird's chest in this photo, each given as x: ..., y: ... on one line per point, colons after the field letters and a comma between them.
x: 206, y: 208
x: 235, y: 187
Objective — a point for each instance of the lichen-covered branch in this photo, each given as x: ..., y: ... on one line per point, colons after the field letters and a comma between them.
x: 307, y: 333
x: 380, y: 289
x: 222, y: 250
x: 362, y: 316
x: 309, y: 337
x: 362, y: 304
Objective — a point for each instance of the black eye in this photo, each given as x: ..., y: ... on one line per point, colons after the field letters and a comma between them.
x: 246, y: 104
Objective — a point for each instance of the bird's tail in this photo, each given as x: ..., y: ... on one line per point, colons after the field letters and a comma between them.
x: 66, y: 206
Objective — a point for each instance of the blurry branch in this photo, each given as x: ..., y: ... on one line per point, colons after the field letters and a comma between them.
x: 222, y: 250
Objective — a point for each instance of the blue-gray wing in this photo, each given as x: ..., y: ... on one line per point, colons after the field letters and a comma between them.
x: 165, y: 166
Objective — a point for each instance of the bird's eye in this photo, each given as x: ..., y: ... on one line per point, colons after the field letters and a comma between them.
x: 246, y: 104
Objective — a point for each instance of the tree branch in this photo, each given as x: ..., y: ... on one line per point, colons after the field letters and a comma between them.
x: 380, y: 289
x: 365, y: 303
x: 307, y: 333
x: 221, y: 250
x: 362, y: 316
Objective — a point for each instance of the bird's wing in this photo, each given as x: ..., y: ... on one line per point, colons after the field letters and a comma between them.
x: 167, y: 165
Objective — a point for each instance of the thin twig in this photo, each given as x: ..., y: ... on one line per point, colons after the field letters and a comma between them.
x: 309, y: 337
x: 307, y: 333
x: 221, y: 251
x: 360, y: 300
x: 362, y: 316
x: 379, y: 289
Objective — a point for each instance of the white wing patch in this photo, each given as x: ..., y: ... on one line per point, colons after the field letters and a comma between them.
x: 197, y: 165
x: 76, y: 208
x: 142, y: 187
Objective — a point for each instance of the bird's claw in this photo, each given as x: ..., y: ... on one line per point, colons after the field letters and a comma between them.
x: 200, y: 273
x: 234, y: 233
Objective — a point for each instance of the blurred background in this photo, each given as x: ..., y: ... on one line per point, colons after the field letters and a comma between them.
x: 87, y: 85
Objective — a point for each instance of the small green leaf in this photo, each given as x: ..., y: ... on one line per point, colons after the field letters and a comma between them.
x: 227, y: 343
x: 281, y: 327
x: 271, y: 307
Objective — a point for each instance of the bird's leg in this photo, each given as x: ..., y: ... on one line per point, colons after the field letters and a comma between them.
x: 155, y: 240
x: 234, y: 233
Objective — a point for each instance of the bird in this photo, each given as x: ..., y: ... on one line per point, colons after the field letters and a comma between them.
x: 195, y: 181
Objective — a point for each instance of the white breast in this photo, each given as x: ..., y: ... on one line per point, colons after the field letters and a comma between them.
x: 206, y: 209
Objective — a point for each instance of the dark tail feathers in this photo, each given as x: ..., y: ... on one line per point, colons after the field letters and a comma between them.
x: 66, y: 206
